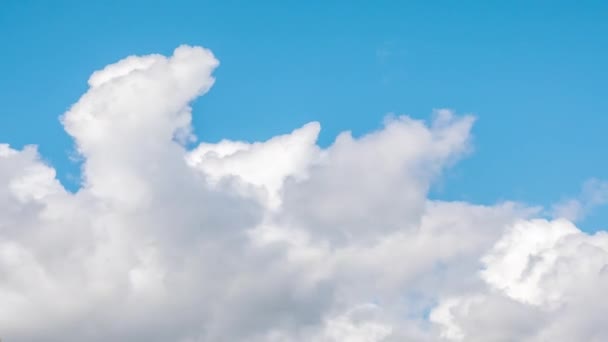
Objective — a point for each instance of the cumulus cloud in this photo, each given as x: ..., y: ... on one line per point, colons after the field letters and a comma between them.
x: 543, y: 281
x: 273, y: 241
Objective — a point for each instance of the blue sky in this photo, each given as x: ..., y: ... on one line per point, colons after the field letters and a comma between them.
x: 533, y: 73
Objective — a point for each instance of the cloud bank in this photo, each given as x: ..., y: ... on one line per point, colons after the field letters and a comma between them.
x: 274, y: 241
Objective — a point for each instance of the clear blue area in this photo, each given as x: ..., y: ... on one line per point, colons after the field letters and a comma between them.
x: 533, y: 72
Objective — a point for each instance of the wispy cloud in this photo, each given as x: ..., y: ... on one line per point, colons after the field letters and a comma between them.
x: 594, y: 194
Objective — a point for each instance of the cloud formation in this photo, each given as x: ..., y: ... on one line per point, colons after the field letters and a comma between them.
x: 594, y: 194
x: 274, y: 241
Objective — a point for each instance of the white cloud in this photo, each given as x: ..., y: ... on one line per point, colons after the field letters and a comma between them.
x: 265, y: 165
x: 273, y: 241
x: 593, y: 194
x: 544, y: 281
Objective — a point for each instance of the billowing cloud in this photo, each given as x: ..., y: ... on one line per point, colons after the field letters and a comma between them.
x: 543, y: 281
x: 273, y: 241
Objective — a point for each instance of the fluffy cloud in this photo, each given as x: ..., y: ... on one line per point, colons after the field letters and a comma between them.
x: 543, y: 281
x: 274, y: 241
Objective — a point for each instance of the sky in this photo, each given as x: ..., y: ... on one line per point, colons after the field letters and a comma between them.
x: 532, y: 73
x: 477, y: 139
